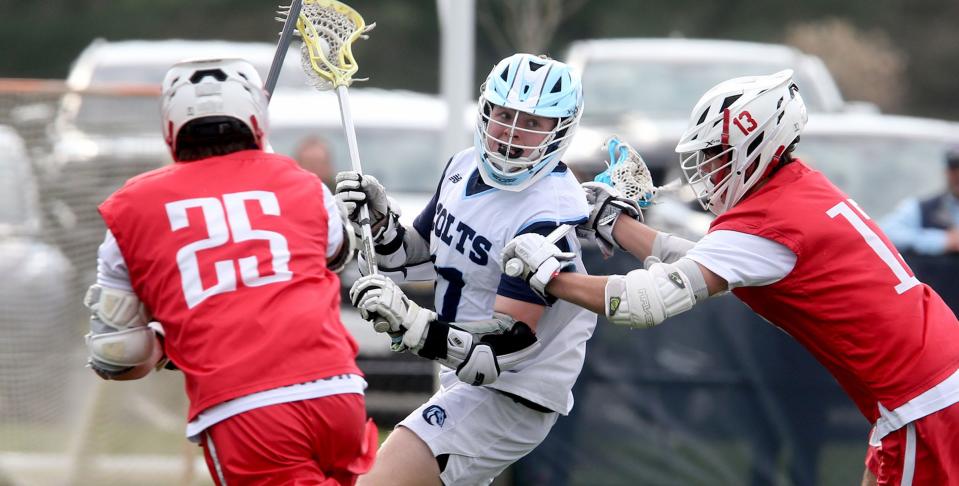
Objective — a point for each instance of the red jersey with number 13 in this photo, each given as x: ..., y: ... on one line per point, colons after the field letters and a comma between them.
x: 850, y: 299
x: 229, y: 254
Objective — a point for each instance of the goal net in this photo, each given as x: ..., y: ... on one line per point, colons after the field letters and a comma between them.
x: 64, y: 152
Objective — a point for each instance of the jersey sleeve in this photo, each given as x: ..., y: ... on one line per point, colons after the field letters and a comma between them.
x: 423, y: 223
x: 743, y: 260
x: 112, y: 269
x: 334, y: 235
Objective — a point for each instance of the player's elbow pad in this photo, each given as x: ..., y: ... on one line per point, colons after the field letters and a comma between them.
x: 119, y: 337
x: 118, y: 309
x: 478, y: 361
x: 645, y: 298
x: 122, y: 349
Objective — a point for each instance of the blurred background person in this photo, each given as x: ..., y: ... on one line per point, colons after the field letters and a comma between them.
x: 313, y: 154
x: 930, y: 226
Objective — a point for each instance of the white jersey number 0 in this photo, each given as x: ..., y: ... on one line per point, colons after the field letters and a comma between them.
x: 887, y: 255
x: 216, y: 215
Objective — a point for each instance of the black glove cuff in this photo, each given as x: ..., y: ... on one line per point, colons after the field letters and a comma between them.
x: 390, y: 247
x: 520, y: 336
x: 434, y: 347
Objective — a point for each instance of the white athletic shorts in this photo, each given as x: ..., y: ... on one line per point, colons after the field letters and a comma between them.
x: 481, y: 430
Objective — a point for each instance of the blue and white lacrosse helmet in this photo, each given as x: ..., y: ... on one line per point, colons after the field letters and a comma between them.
x: 538, y: 86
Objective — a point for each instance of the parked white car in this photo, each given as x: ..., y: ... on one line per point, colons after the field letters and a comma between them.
x: 879, y: 160
x: 643, y: 89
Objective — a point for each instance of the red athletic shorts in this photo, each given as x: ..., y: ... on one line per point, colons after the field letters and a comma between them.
x: 925, y: 452
x: 322, y: 441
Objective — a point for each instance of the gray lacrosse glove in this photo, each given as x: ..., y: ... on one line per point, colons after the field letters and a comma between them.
x: 541, y: 260
x: 606, y: 205
x: 354, y: 190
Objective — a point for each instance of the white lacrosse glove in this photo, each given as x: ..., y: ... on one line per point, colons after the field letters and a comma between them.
x: 541, y: 260
x: 379, y: 296
x: 354, y: 190
x: 477, y: 359
x: 606, y: 205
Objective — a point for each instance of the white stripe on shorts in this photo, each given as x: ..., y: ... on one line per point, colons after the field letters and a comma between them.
x: 909, y: 462
x: 216, y: 461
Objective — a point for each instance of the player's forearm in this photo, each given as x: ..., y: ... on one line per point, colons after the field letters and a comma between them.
x: 635, y: 237
x: 586, y: 291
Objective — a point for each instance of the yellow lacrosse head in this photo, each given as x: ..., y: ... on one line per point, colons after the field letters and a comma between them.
x: 328, y: 29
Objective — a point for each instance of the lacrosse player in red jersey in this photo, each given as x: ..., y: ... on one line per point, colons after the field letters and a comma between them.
x: 801, y: 254
x: 502, y: 387
x: 233, y: 250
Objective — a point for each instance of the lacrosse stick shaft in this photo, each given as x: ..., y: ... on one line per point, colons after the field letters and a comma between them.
x: 286, y: 35
x: 366, y: 233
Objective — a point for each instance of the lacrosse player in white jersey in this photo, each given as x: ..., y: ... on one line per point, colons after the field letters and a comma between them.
x: 510, y: 355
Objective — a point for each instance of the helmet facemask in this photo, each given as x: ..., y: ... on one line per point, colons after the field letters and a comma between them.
x: 517, y: 142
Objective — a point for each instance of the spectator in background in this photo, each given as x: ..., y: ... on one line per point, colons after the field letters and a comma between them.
x: 313, y: 154
x: 929, y: 227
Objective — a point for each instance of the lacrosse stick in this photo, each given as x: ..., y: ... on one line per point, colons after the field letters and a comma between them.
x: 627, y: 173
x: 328, y: 29
x: 286, y: 35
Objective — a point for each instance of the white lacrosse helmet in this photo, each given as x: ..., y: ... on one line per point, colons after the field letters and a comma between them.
x: 737, y: 135
x: 213, y: 88
x: 538, y: 86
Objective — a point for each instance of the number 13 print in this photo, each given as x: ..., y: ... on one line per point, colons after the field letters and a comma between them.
x: 217, y: 214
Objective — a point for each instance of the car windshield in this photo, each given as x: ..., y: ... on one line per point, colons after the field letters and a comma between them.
x: 877, y: 172
x: 404, y: 160
x: 657, y: 89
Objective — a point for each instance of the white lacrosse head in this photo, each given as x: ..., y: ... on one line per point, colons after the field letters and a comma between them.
x: 737, y: 132
x: 627, y: 173
x: 312, y: 78
x: 213, y: 87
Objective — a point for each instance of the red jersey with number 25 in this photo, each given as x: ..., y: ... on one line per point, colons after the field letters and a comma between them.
x: 229, y: 254
x: 850, y: 299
